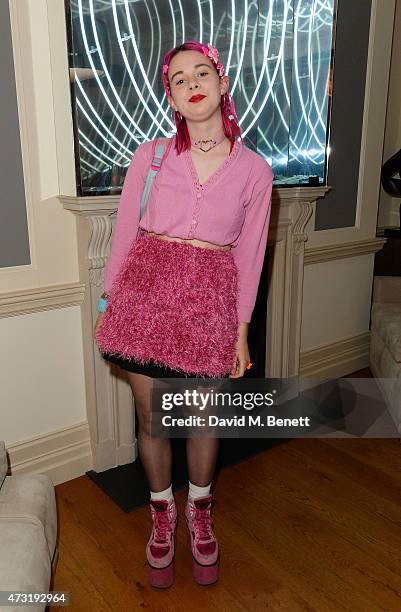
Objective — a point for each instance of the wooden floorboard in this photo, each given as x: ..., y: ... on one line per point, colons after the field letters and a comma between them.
x: 312, y: 524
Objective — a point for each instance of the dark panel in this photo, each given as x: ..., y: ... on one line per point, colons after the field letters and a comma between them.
x: 338, y: 208
x: 14, y: 238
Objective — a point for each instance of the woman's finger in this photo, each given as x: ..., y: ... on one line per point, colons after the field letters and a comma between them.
x: 240, y: 369
x: 234, y: 367
x: 242, y: 366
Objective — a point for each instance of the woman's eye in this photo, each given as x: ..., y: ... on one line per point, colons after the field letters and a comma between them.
x: 200, y: 73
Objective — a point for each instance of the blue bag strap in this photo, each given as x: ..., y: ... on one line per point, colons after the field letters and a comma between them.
x: 154, y: 168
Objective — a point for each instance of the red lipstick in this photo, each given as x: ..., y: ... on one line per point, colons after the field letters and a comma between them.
x: 196, y: 98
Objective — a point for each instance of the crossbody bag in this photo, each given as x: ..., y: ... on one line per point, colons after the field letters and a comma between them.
x: 159, y: 153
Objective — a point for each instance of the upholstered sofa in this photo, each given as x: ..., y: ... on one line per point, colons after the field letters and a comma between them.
x: 28, y: 532
x: 385, y: 341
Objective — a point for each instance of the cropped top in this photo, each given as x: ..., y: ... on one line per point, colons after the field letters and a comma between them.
x: 232, y: 207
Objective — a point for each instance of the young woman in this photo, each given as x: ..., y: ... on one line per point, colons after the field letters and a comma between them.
x: 180, y: 295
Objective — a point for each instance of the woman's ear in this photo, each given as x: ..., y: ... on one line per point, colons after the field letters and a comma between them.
x: 224, y: 84
x: 171, y: 103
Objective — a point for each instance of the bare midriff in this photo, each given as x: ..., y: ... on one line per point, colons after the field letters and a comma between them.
x: 193, y: 241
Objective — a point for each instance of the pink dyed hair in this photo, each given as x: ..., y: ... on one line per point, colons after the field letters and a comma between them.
x: 229, y: 116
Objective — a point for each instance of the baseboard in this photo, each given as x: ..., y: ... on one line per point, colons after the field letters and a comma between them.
x: 336, y: 359
x: 62, y: 455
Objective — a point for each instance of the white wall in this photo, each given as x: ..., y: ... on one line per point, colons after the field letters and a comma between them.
x: 337, y: 298
x: 41, y: 374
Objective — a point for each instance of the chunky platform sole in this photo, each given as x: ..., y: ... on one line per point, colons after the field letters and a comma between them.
x: 161, y: 578
x: 203, y: 574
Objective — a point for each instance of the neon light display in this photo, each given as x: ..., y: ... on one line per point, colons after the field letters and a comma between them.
x: 277, y: 53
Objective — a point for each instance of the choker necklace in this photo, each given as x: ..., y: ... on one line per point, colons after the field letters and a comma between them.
x: 206, y: 145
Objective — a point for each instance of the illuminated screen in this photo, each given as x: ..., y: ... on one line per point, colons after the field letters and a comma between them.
x: 277, y: 53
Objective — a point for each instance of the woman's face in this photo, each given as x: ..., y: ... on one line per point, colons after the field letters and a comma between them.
x: 192, y: 73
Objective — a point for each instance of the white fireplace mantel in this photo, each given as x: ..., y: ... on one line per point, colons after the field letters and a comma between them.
x: 110, y: 402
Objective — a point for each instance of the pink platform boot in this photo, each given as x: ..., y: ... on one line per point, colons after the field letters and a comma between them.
x: 161, y: 546
x: 201, y: 540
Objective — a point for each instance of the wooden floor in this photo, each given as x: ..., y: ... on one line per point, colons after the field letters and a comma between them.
x: 308, y: 525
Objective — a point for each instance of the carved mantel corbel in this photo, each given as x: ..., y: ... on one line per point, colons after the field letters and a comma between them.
x: 110, y: 404
x: 291, y: 212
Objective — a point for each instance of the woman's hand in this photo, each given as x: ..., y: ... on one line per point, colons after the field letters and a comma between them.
x: 242, y: 357
x: 98, y: 322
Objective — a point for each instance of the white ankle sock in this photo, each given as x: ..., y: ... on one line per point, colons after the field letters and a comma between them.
x: 166, y: 494
x: 194, y: 491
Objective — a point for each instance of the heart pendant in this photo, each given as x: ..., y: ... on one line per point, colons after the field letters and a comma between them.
x: 206, y: 145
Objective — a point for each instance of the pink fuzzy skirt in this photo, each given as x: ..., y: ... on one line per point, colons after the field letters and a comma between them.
x: 173, y: 305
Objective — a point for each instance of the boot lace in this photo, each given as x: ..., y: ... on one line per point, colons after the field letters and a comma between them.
x: 203, y: 522
x: 161, y: 525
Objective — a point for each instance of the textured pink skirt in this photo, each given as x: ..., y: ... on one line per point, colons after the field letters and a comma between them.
x: 173, y: 304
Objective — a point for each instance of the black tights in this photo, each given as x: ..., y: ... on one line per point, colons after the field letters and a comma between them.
x: 155, y: 453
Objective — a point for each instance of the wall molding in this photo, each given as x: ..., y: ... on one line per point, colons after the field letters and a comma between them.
x: 50, y: 297
x: 328, y: 252
x: 336, y: 359
x: 62, y: 455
